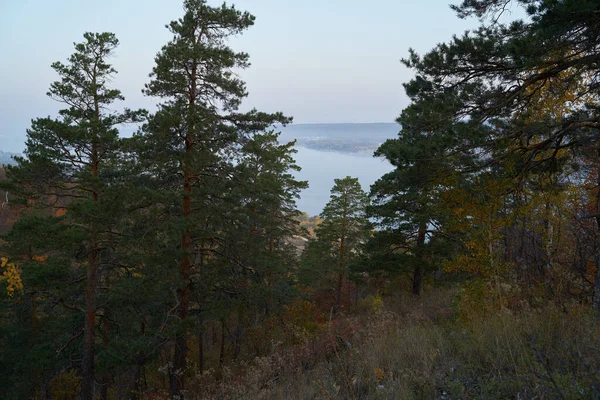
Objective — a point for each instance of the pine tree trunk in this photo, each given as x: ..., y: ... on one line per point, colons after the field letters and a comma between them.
x: 180, y: 354
x: 238, y: 342
x: 338, y: 293
x: 135, y: 393
x: 417, y: 287
x: 36, y: 373
x: 137, y: 378
x: 340, y: 280
x: 201, y: 352
x: 596, y: 301
x: 106, y: 378
x: 418, y: 272
x: 201, y: 322
x: 87, y: 367
x: 239, y: 333
x: 87, y: 370
x: 222, y: 352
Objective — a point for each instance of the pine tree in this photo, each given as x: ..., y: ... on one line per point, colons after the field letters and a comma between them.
x: 189, y: 147
x: 490, y: 83
x: 405, y: 203
x: 67, y: 171
x: 268, y: 193
x: 341, y: 235
x: 256, y: 254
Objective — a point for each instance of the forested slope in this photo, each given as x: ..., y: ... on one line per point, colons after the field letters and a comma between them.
x: 175, y: 263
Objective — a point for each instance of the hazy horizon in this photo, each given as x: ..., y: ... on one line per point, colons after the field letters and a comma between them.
x: 318, y: 62
x: 284, y: 130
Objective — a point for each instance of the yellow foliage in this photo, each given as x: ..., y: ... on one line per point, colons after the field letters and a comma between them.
x: 12, y: 275
x: 480, y: 212
x: 65, y: 386
x: 298, y: 323
x: 299, y: 319
x: 558, y: 96
x: 371, y: 304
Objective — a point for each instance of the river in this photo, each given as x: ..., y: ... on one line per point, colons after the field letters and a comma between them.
x: 320, y: 168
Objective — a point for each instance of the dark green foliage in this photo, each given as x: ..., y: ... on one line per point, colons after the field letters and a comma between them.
x: 69, y: 182
x: 406, y: 203
x: 133, y: 251
x: 339, y: 238
x: 189, y: 221
x: 221, y: 193
x: 521, y: 98
x: 494, y: 74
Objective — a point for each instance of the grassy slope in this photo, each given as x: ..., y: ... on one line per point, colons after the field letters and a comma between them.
x: 417, y: 349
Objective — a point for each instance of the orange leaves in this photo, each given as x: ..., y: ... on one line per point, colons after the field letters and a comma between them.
x: 40, y: 258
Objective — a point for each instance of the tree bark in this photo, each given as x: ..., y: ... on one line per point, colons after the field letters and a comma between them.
x: 338, y: 293
x: 596, y: 300
x: 180, y: 355
x: 105, y: 339
x: 341, y: 266
x: 222, y: 352
x: 37, y: 389
x: 135, y: 393
x: 87, y: 366
x: 201, y: 352
x: 418, y: 272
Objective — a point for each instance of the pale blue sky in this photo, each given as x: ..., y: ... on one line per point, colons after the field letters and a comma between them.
x: 319, y: 61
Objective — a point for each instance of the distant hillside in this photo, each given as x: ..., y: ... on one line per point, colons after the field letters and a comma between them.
x: 344, y: 138
x: 346, y: 131
x: 6, y: 158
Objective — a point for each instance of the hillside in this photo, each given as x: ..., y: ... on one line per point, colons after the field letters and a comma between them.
x: 176, y: 263
x: 343, y: 138
x: 6, y: 158
x: 398, y: 347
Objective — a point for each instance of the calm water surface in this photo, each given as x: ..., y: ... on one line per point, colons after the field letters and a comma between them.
x: 320, y: 168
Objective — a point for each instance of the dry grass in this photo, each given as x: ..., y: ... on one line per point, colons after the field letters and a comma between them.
x: 415, y: 349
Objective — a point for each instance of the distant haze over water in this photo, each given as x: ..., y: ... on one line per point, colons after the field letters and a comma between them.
x: 325, y: 152
x: 363, y: 131
x: 329, y: 151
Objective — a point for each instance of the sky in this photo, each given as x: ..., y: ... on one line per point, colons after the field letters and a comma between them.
x: 320, y: 61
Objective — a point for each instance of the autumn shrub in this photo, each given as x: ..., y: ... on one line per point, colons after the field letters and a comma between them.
x: 418, y: 349
x: 549, y: 352
x: 297, y: 323
x: 371, y: 304
x: 65, y: 386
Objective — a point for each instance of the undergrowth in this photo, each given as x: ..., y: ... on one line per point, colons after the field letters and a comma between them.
x: 420, y: 349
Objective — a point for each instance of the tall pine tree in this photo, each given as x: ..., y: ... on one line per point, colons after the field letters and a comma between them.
x: 68, y: 168
x: 190, y: 145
